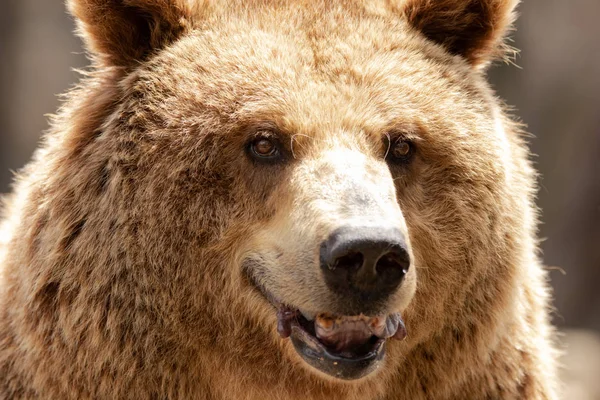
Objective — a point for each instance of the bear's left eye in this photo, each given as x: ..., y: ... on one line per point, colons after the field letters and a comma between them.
x: 265, y: 147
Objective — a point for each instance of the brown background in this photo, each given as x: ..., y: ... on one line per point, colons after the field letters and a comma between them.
x: 555, y: 90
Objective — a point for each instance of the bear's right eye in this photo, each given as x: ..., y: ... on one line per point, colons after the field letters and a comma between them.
x: 265, y: 147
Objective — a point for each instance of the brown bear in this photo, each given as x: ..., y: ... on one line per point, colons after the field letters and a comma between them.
x: 272, y: 199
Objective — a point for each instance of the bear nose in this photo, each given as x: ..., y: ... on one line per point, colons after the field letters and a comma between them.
x: 364, y: 263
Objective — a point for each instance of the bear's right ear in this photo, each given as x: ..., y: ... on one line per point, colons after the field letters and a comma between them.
x: 124, y: 32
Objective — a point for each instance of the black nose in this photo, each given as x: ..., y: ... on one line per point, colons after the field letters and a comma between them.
x: 364, y: 264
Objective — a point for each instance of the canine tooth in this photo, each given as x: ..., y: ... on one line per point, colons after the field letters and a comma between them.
x: 376, y: 323
x: 324, y: 322
x: 388, y: 326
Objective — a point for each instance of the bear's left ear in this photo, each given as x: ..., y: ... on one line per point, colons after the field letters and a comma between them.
x: 123, y: 32
x: 474, y: 29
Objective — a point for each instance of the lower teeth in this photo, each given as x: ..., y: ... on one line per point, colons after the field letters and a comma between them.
x: 341, y: 333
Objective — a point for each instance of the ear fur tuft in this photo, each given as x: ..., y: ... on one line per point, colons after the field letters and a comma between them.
x: 474, y: 29
x: 123, y: 32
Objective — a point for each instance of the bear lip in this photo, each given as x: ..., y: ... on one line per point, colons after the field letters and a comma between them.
x: 345, y: 347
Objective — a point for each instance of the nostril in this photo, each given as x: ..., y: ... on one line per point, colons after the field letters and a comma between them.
x: 351, y: 261
x: 391, y: 264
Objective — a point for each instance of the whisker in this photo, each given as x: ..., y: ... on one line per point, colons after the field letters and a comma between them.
x: 292, y: 141
x: 389, y: 145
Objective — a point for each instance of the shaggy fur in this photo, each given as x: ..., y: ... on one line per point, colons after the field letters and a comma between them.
x: 122, y: 248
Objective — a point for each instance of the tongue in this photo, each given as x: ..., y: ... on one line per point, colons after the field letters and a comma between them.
x: 343, y: 333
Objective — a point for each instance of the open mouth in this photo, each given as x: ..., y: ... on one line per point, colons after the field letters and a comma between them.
x: 345, y: 347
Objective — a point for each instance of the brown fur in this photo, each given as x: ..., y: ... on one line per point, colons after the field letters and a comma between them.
x: 122, y: 248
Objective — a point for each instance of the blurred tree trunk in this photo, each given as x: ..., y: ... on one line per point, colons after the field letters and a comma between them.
x: 7, y: 18
x: 38, y: 52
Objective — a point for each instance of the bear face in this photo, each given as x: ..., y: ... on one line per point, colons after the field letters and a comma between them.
x: 279, y: 142
x: 292, y: 194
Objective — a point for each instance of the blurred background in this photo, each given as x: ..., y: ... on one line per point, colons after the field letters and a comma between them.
x: 555, y: 90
